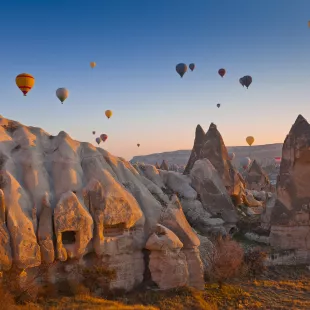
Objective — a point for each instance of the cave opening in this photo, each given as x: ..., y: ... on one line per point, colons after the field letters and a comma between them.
x: 68, y: 237
x: 114, y: 230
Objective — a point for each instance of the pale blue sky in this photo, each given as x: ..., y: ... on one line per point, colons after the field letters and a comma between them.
x: 137, y: 45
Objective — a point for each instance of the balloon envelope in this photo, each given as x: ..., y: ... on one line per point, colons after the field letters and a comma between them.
x: 93, y: 64
x: 245, y: 162
x: 94, y: 132
x: 192, y: 66
x: 218, y: 105
x: 98, y: 140
x: 231, y: 155
x: 277, y: 160
x: 181, y: 69
x: 222, y: 72
x: 247, y: 80
x: 62, y: 94
x: 24, y: 82
x: 249, y: 140
x: 103, y: 137
x: 138, y: 144
x: 108, y: 113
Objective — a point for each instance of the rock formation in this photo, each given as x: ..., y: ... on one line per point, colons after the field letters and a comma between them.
x: 164, y: 166
x: 211, y: 146
x: 63, y: 201
x: 256, y: 178
x: 290, y: 216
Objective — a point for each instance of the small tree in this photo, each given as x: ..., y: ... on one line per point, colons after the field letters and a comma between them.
x: 254, y: 261
x: 225, y: 260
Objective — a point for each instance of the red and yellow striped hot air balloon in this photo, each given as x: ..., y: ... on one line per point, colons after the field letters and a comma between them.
x: 25, y: 82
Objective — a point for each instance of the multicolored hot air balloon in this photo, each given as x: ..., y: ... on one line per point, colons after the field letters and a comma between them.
x: 241, y: 82
x: 250, y: 140
x: 247, y: 80
x: 103, y: 137
x: 218, y: 105
x: 62, y: 94
x: 222, y: 72
x: 138, y: 144
x: 93, y: 64
x: 94, y: 132
x: 181, y: 69
x: 25, y: 82
x: 192, y: 66
x: 108, y: 113
x: 98, y: 140
x: 245, y: 162
x: 231, y: 155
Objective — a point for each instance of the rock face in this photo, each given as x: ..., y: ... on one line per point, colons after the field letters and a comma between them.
x: 211, y: 146
x: 290, y: 216
x: 164, y: 166
x: 256, y: 178
x: 63, y: 201
x: 213, y: 194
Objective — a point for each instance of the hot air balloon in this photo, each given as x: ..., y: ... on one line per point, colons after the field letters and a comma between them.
x: 93, y: 64
x: 138, y: 144
x: 62, y: 94
x: 245, y: 162
x: 249, y: 140
x: 103, y: 137
x: 222, y: 72
x: 94, y: 132
x: 98, y: 140
x: 241, y: 82
x: 218, y: 105
x: 25, y: 82
x: 192, y: 66
x: 309, y: 23
x: 181, y: 69
x: 277, y: 160
x: 108, y: 113
x: 247, y: 80
x: 231, y: 155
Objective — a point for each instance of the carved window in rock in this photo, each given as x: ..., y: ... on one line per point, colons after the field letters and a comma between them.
x: 68, y: 237
x: 114, y: 230
x: 117, y: 230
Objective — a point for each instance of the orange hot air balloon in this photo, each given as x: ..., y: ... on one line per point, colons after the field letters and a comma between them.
x: 250, y: 140
x: 25, y: 82
x: 108, y: 113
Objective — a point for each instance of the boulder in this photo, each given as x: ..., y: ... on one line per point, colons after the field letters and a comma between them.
x: 214, y: 197
x: 168, y: 266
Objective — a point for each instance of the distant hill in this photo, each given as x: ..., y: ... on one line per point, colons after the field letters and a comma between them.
x: 262, y: 153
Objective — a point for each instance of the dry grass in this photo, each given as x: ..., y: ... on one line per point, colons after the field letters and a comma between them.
x: 282, y: 288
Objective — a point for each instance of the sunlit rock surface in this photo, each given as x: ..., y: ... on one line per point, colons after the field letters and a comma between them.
x: 63, y: 201
x: 290, y: 216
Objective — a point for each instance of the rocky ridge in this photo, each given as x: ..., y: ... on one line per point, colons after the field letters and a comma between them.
x: 67, y: 202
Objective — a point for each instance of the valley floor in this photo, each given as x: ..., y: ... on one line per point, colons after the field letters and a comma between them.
x: 280, y: 288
